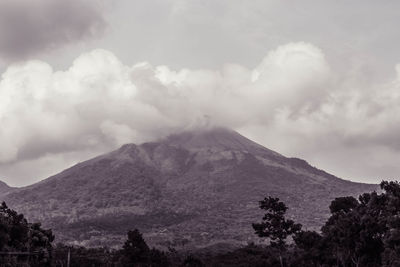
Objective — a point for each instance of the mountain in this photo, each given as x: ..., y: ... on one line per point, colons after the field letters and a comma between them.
x: 196, y: 188
x: 5, y: 188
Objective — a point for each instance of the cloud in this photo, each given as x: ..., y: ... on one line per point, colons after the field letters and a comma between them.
x: 101, y: 102
x: 292, y: 102
x: 30, y: 27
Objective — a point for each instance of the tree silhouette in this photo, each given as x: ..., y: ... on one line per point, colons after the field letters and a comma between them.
x: 135, y: 250
x: 19, y: 236
x: 274, y: 225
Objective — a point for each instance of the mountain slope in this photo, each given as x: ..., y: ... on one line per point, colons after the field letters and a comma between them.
x: 5, y: 188
x: 193, y: 188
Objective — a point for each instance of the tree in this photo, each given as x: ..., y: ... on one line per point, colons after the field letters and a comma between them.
x: 135, y: 250
x: 344, y: 204
x: 366, y: 232
x: 39, y: 241
x: 391, y: 238
x: 192, y: 261
x: 363, y: 232
x: 17, y: 235
x: 274, y: 225
x: 312, y: 249
x: 356, y: 228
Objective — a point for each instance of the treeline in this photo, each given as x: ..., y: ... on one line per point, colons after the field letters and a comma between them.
x: 23, y: 243
x: 363, y: 232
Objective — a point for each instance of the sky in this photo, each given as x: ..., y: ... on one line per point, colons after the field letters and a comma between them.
x: 314, y: 79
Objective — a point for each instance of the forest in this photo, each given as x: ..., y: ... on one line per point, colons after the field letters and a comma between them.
x: 363, y: 232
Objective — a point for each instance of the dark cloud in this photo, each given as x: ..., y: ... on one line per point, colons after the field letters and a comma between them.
x: 30, y: 27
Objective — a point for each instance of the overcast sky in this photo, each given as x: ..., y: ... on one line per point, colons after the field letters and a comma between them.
x: 316, y: 79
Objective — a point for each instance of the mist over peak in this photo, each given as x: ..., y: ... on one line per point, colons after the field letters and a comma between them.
x: 216, y: 137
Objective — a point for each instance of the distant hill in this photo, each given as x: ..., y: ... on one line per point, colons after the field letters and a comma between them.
x: 5, y: 189
x: 195, y: 188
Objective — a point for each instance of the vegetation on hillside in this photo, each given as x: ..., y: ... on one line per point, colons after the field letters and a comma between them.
x: 23, y: 243
x: 363, y: 232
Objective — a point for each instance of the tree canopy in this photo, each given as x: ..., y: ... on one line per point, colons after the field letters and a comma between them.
x: 27, y: 242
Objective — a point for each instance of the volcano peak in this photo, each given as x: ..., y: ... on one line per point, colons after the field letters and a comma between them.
x: 212, y: 138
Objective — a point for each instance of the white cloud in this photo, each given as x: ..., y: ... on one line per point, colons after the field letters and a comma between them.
x: 292, y: 102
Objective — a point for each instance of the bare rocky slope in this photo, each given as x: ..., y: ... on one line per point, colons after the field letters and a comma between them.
x: 196, y: 188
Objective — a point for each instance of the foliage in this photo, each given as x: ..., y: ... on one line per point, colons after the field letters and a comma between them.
x: 81, y: 256
x: 363, y: 232
x: 274, y: 224
x: 136, y: 252
x: 192, y: 261
x: 359, y: 232
x: 17, y: 236
x: 135, y: 249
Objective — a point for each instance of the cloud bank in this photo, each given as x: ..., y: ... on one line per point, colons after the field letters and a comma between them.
x: 29, y: 27
x: 292, y: 102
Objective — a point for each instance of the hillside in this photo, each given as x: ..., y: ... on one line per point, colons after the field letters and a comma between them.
x: 5, y: 189
x: 190, y: 189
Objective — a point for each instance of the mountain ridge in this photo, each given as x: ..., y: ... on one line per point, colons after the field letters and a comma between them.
x: 183, y: 189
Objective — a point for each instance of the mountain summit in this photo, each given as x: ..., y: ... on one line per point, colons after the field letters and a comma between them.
x: 212, y: 138
x: 195, y: 188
